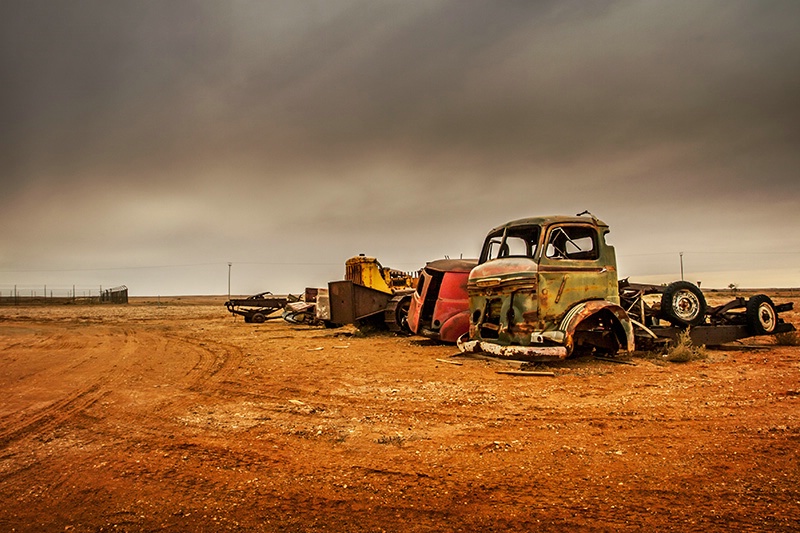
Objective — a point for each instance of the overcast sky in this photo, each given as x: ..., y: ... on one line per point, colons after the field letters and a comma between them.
x: 150, y: 143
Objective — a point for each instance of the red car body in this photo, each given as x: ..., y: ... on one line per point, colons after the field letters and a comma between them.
x: 439, y: 306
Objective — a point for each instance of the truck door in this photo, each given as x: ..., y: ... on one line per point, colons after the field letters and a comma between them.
x: 571, y: 270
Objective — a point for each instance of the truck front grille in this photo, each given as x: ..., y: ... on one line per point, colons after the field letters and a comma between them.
x: 490, y: 325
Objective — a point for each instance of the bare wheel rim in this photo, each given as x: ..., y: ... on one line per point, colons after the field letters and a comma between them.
x: 767, y: 316
x: 685, y: 305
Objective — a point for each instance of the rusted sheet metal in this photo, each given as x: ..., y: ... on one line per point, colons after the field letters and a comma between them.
x: 502, y: 271
x: 559, y: 291
x: 584, y: 311
x: 714, y: 335
x: 540, y: 353
x: 550, y: 221
x: 452, y: 265
x: 439, y: 307
x: 551, y: 282
x: 349, y: 302
x: 261, y: 300
x: 366, y: 271
x: 544, y: 280
x: 259, y: 307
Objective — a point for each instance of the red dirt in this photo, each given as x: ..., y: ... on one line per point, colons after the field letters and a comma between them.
x: 177, y: 417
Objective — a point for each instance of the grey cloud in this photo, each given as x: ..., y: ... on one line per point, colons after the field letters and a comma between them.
x: 153, y: 83
x: 332, y: 124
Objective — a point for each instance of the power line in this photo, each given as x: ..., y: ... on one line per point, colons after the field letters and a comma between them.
x: 707, y: 252
x: 330, y: 263
x: 100, y: 269
x: 153, y: 267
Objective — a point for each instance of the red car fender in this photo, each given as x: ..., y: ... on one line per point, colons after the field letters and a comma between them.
x: 454, y: 327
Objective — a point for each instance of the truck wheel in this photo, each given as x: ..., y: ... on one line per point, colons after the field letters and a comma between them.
x: 760, y: 314
x: 683, y: 304
x: 396, y: 314
x: 258, y: 318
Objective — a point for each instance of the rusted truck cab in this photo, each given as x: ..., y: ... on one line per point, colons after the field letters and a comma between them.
x: 545, y: 287
x: 439, y: 307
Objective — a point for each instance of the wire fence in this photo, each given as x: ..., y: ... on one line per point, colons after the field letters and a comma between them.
x: 27, y: 295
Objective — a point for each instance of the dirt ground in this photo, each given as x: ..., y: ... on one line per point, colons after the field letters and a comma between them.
x: 174, y: 416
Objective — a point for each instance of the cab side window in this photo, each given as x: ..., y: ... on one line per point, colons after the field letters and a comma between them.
x: 572, y: 243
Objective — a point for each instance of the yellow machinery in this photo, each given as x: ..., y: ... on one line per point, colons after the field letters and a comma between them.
x: 371, y: 294
x: 368, y: 272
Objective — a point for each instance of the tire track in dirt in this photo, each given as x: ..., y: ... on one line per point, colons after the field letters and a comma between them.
x: 18, y: 425
x: 201, y: 370
x: 125, y: 365
x: 216, y: 362
x: 51, y: 416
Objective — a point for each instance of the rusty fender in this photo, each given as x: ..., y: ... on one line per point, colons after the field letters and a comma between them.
x: 584, y: 310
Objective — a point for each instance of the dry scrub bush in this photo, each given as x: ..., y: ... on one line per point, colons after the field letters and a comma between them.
x: 684, y: 351
x: 394, y: 440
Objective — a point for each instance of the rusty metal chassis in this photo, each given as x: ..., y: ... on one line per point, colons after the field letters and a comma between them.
x: 723, y: 323
x: 264, y: 304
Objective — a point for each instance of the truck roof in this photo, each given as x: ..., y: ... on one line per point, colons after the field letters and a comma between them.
x: 551, y: 219
x: 452, y: 265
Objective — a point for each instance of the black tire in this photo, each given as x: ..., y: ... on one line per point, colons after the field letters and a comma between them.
x: 258, y: 318
x: 397, y: 316
x: 683, y: 304
x: 760, y: 315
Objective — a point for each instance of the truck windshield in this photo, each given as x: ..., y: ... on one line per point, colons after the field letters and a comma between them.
x: 518, y: 241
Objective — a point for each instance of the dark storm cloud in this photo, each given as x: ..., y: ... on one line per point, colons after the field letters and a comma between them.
x: 100, y: 84
x: 140, y: 84
x: 507, y: 81
x: 177, y: 120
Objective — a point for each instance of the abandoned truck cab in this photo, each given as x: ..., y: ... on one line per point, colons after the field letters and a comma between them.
x: 545, y: 287
x: 439, y: 307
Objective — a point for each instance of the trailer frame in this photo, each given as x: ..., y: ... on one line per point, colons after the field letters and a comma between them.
x: 260, y: 307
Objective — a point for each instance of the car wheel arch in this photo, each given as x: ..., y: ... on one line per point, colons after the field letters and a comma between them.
x: 621, y: 325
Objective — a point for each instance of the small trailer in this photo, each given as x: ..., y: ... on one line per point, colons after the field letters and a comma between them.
x: 682, y: 305
x: 260, y: 307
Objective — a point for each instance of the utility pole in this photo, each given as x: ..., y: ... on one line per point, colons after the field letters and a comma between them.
x: 229, y: 280
x: 681, y: 266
